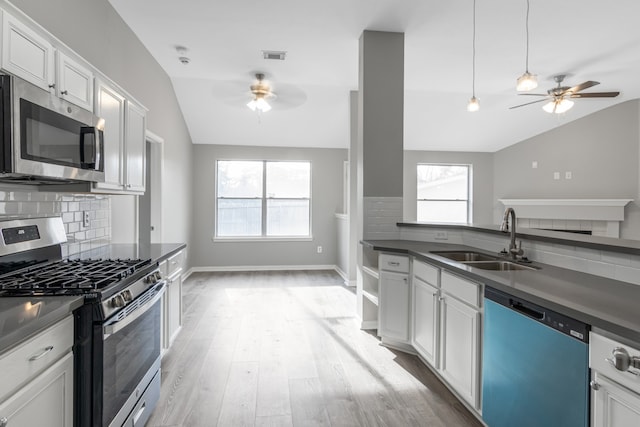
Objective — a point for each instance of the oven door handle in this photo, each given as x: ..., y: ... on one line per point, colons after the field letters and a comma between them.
x: 115, y: 327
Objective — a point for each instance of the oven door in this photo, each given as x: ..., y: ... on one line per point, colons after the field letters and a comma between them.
x: 131, y: 354
x: 54, y: 138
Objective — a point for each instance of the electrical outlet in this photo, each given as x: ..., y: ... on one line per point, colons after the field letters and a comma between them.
x: 441, y: 235
x: 568, y: 175
x: 86, y: 221
x: 319, y: 249
x: 534, y: 165
x: 556, y: 175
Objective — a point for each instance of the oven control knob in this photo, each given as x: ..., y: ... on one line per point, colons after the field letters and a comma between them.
x: 117, y: 301
x: 127, y: 295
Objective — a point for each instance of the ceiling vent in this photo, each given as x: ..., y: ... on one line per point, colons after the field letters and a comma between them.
x: 274, y: 54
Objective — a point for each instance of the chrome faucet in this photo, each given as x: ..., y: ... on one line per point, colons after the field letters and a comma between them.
x: 514, y: 251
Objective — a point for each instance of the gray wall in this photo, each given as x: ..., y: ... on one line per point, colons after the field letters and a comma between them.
x: 326, y: 200
x: 601, y: 152
x: 95, y: 31
x: 481, y: 175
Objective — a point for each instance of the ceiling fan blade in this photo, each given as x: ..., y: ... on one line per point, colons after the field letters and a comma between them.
x: 533, y: 94
x: 582, y: 86
x: 595, y: 95
x: 528, y: 103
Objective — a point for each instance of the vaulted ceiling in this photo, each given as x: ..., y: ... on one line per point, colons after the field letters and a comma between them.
x: 584, y: 39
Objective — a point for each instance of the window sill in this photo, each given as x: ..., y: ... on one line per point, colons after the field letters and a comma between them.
x: 261, y: 239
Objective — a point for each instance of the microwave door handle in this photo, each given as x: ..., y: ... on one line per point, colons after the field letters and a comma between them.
x: 115, y: 327
x: 85, y: 131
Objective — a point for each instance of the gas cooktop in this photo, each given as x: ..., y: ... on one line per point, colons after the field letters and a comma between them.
x: 69, y: 277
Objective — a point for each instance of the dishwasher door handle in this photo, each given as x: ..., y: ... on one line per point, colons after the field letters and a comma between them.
x: 518, y: 306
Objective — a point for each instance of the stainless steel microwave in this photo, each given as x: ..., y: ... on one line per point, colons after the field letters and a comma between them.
x: 45, y: 139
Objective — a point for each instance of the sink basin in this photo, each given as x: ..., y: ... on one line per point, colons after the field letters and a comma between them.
x: 463, y: 256
x: 499, y: 265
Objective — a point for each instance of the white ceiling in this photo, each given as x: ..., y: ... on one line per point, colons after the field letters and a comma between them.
x: 585, y: 39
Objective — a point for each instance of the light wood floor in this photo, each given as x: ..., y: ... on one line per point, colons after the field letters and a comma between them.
x: 284, y: 349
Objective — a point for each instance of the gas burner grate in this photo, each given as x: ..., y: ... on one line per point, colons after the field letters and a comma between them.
x: 69, y: 277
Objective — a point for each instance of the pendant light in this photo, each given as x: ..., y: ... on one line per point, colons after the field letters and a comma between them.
x: 527, y: 81
x: 474, y: 103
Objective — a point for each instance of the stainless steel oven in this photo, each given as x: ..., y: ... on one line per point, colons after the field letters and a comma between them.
x: 45, y: 138
x: 131, y: 360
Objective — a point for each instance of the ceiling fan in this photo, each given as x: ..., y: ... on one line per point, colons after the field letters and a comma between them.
x: 559, y: 98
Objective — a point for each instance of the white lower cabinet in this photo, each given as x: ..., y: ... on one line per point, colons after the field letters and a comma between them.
x: 425, y: 320
x: 45, y: 401
x: 172, y: 269
x: 459, y: 347
x: 613, y: 405
x: 393, y: 320
x: 37, y: 379
x: 615, y: 394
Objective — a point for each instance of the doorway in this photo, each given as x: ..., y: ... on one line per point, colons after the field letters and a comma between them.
x: 150, y: 203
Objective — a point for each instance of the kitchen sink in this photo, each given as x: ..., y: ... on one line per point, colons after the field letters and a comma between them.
x: 499, y: 265
x: 464, y: 256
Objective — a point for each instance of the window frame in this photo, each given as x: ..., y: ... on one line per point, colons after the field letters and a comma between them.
x: 263, y: 237
x: 468, y: 200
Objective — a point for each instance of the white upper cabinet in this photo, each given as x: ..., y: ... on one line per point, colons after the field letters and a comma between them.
x: 110, y: 105
x: 26, y: 54
x: 135, y: 137
x: 74, y: 82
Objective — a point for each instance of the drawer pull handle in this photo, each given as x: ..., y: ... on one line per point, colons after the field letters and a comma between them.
x: 594, y: 385
x: 42, y: 354
x: 3, y: 421
x: 394, y: 263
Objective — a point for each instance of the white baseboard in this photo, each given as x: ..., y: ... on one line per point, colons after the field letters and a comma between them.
x: 186, y: 275
x: 262, y: 268
x: 369, y: 324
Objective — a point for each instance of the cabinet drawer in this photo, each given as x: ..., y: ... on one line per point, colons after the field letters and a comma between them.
x: 426, y: 272
x: 460, y: 288
x: 600, y: 349
x: 397, y: 263
x: 20, y: 365
x: 175, y: 263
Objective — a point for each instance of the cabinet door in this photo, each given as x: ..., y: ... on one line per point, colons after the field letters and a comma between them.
x: 459, y: 349
x: 45, y: 401
x: 174, y: 306
x: 110, y: 106
x: 393, y: 319
x: 425, y: 320
x: 614, y: 405
x: 74, y: 82
x: 134, y: 145
x: 26, y: 54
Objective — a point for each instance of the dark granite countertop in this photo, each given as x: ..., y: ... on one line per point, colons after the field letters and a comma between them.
x: 157, y: 252
x: 625, y: 246
x: 23, y: 317
x: 604, y: 303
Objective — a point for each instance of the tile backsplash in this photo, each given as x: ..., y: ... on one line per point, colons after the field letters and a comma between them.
x: 71, y: 207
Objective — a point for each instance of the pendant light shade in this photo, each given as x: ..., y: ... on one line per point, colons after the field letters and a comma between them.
x: 527, y: 81
x: 474, y: 103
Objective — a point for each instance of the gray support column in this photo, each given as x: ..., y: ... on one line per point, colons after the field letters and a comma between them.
x: 380, y: 131
x: 378, y: 156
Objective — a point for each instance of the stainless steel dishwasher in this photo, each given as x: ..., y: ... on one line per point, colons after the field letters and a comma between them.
x: 535, y: 365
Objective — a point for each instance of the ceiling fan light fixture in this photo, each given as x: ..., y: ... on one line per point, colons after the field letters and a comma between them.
x: 527, y: 82
x: 558, y: 106
x: 473, y: 105
x: 259, y: 104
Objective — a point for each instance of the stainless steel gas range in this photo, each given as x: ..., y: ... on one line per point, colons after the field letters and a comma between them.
x: 117, y: 329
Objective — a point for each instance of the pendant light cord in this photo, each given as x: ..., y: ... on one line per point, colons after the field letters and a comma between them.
x: 527, y: 32
x: 473, y: 65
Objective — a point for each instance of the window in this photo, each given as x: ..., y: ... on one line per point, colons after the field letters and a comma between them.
x: 263, y: 199
x: 443, y: 193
